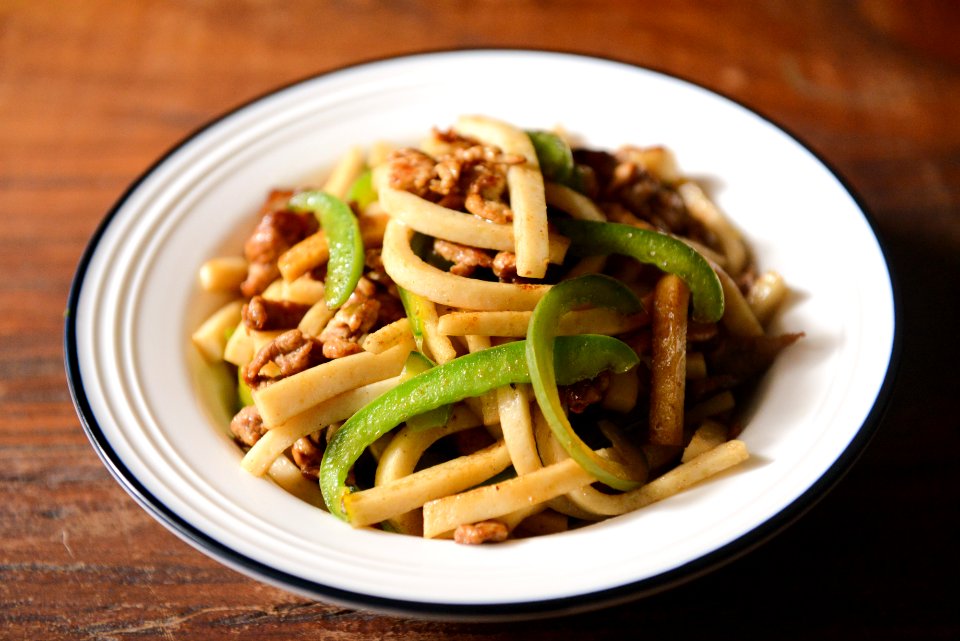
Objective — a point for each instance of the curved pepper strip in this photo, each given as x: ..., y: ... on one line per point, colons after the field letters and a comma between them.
x: 553, y: 154
x: 362, y: 191
x: 577, y: 358
x: 555, y: 158
x: 412, y: 305
x: 417, y: 363
x: 597, y: 291
x: 589, y: 238
x: 345, y: 265
x: 244, y: 394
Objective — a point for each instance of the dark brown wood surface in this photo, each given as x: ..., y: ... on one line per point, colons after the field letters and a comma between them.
x: 91, y: 92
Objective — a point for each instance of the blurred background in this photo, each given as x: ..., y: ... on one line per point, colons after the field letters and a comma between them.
x: 92, y: 92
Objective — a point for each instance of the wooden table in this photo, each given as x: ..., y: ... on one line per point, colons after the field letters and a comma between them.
x: 91, y: 92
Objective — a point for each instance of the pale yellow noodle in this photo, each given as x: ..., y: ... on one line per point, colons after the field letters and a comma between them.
x: 487, y: 403
x: 525, y: 184
x: 387, y: 336
x: 492, y: 501
x: 289, y: 396
x: 223, y: 274
x: 704, y: 210
x: 514, y: 324
x: 288, y: 476
x: 401, y: 455
x: 211, y: 337
x: 737, y: 315
x: 396, y: 497
x: 706, y: 437
x: 458, y: 227
x: 338, y: 408
x: 408, y: 271
x: 766, y: 295
x: 517, y: 425
x: 345, y: 172
x: 572, y: 202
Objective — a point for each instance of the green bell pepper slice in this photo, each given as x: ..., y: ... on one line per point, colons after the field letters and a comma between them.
x: 553, y: 154
x: 598, y: 291
x: 362, y: 190
x: 556, y: 159
x: 345, y: 265
x: 577, y: 358
x: 244, y: 394
x: 412, y: 305
x: 588, y: 238
x: 416, y: 364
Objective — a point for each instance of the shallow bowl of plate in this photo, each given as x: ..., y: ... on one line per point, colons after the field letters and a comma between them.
x: 135, y: 301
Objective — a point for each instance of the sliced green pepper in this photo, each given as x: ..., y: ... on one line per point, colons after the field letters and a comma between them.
x: 553, y: 154
x: 362, y: 191
x: 577, y: 358
x: 556, y: 159
x: 345, y: 265
x: 416, y: 364
x: 412, y: 306
x: 244, y: 394
x: 588, y: 238
x: 597, y: 291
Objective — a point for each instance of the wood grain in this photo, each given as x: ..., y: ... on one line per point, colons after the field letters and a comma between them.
x: 92, y: 92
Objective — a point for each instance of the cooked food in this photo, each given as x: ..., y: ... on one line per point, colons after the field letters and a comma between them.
x: 492, y: 335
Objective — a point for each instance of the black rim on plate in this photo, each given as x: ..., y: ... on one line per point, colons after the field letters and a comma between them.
x: 480, y: 611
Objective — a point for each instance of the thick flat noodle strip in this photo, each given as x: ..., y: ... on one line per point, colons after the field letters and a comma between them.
x: 315, y: 319
x: 487, y: 403
x: 514, y: 324
x: 388, y: 336
x: 585, y: 503
x: 657, y: 160
x: 290, y: 396
x: 703, y: 209
x: 239, y: 347
x: 345, y: 172
x: 491, y: 501
x: 573, y: 202
x: 223, y: 274
x: 459, y: 227
x: 410, y: 272
x: 409, y: 492
x: 525, y: 183
x: 211, y: 337
x: 529, y: 221
x: 302, y: 289
x: 682, y: 477
x: 403, y: 453
x: 401, y: 456
x: 517, y: 426
x: 339, y: 408
x: 709, y: 435
x: 288, y: 476
x: 588, y: 502
x: 244, y: 343
x: 439, y: 346
x: 738, y: 317
x: 766, y: 295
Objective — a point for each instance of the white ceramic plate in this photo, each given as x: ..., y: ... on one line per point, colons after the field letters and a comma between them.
x: 134, y: 304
